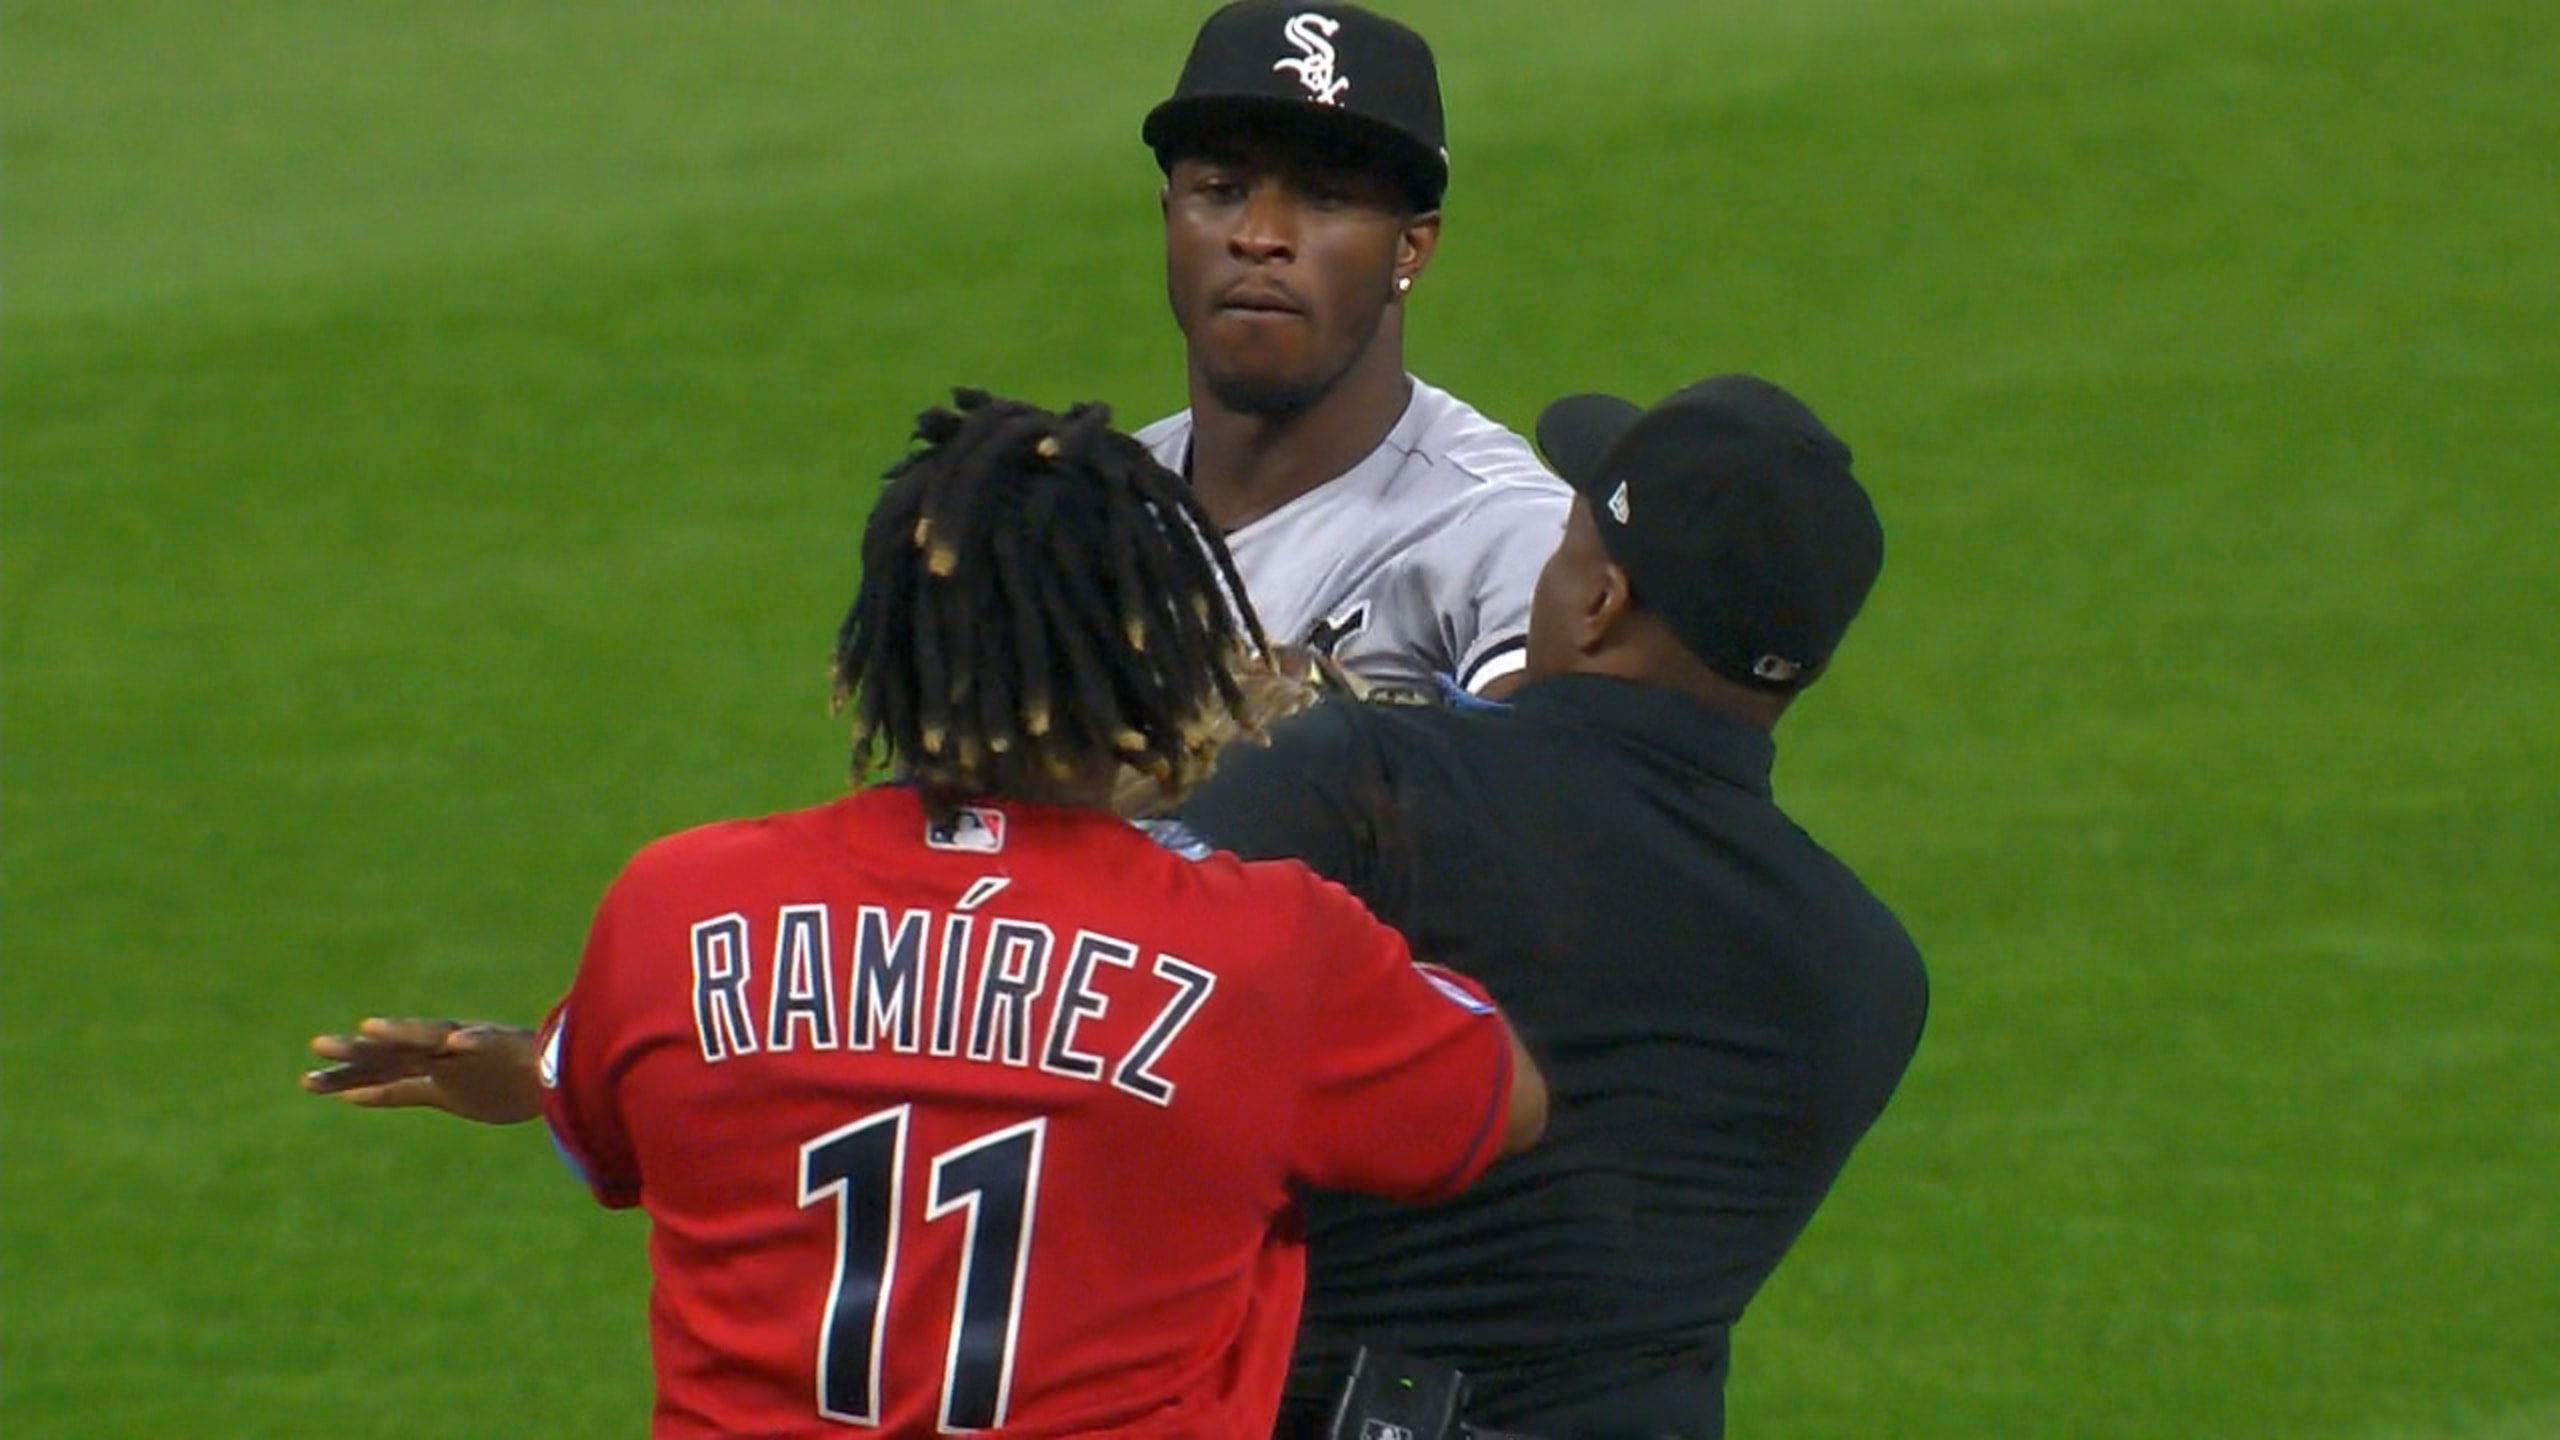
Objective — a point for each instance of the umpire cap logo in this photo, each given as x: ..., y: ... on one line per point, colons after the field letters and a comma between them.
x: 1312, y: 34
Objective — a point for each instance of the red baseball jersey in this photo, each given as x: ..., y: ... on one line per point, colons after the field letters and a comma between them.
x: 996, y: 1124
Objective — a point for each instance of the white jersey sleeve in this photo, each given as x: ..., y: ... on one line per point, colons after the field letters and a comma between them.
x: 1475, y: 579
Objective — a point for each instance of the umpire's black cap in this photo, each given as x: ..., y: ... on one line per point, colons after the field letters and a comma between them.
x: 1733, y: 512
x: 1334, y: 73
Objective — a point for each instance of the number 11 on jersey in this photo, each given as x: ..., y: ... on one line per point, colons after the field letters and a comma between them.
x: 993, y: 1183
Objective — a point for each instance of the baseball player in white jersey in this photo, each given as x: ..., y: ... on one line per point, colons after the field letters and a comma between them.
x: 1415, y: 563
x: 1372, y: 516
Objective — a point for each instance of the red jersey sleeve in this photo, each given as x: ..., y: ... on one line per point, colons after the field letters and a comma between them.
x: 1408, y: 1067
x: 578, y: 1066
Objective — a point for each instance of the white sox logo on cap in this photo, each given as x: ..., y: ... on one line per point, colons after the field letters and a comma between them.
x: 1312, y: 34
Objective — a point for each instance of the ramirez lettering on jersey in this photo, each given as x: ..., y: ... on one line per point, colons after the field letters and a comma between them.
x: 980, y: 987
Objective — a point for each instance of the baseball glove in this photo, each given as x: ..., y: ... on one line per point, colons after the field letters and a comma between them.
x: 1290, y: 679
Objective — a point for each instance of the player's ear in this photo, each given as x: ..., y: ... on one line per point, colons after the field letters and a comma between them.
x: 1611, y: 596
x: 1415, y: 245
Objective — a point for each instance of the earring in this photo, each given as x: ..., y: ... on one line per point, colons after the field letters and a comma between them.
x: 1403, y: 283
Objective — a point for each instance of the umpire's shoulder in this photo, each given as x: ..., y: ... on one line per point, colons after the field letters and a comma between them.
x: 1296, y: 792
x: 1315, y: 745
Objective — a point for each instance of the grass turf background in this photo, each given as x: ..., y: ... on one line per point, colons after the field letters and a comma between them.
x: 434, y: 439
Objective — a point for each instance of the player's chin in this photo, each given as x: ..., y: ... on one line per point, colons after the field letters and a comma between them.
x: 1254, y: 397
x: 1262, y: 389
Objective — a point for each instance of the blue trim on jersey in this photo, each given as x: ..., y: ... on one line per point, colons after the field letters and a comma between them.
x: 570, y: 1158
x: 1459, y: 697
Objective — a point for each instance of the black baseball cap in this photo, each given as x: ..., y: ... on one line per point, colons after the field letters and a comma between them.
x: 1733, y: 512
x: 1336, y: 74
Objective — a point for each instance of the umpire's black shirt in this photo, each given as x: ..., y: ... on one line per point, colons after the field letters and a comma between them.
x: 1720, y: 1006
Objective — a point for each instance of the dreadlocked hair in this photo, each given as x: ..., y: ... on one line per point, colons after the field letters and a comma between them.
x: 1041, y: 602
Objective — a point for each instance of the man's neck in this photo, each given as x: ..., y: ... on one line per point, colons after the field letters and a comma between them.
x: 1245, y: 466
x: 1646, y: 650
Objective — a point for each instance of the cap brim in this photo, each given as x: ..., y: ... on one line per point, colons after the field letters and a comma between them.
x: 1204, y: 124
x: 1577, y: 432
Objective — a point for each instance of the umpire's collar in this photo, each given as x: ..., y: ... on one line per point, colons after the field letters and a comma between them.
x: 1658, y: 720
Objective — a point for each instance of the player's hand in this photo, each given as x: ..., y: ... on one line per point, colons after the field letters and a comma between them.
x: 478, y: 1071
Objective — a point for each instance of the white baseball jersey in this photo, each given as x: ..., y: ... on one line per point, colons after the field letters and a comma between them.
x: 1416, y: 562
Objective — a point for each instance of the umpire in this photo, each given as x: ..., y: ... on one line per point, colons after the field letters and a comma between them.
x: 1721, y: 1007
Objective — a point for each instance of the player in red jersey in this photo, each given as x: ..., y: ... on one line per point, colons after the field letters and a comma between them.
x: 961, y: 1104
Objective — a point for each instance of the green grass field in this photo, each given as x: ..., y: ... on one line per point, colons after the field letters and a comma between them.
x: 435, y: 438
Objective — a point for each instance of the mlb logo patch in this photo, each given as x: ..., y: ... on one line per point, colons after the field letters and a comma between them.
x: 973, y: 829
